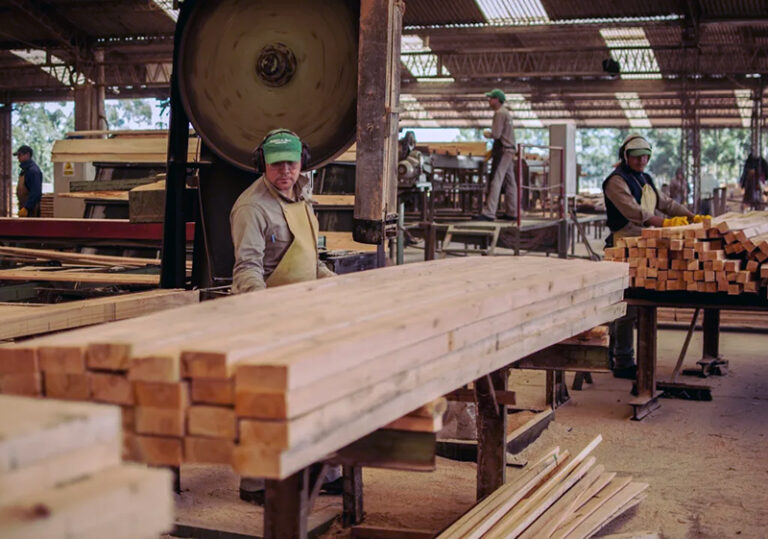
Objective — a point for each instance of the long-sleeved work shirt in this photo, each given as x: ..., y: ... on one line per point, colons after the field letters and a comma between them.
x: 618, y: 192
x: 33, y: 181
x: 502, y: 128
x: 260, y: 234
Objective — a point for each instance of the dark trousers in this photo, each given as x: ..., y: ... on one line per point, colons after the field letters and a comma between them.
x: 623, y: 347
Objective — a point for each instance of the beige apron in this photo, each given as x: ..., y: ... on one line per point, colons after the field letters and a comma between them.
x: 648, y: 202
x: 299, y: 263
x: 22, y: 194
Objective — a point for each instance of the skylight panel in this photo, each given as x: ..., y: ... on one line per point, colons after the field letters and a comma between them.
x: 633, y: 109
x: 508, y: 12
x: 632, y: 50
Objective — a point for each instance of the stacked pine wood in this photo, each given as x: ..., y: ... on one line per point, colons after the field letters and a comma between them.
x: 557, y: 496
x: 18, y: 322
x: 725, y: 254
x: 275, y: 380
x: 46, y: 205
x: 61, y: 475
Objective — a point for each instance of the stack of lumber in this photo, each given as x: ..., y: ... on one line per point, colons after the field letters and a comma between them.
x: 39, y: 319
x: 21, y: 253
x: 725, y: 254
x: 46, y: 205
x: 274, y: 380
x: 748, y: 320
x: 597, y: 336
x: 557, y: 496
x: 61, y: 475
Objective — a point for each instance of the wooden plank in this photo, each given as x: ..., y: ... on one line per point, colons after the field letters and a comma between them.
x: 160, y: 421
x: 88, y: 507
x: 213, y: 422
x: 80, y: 258
x: 208, y: 450
x: 68, y: 386
x: 396, y: 399
x: 205, y: 391
x: 34, y: 430
x: 111, y: 388
x: 159, y: 450
x: 92, y: 311
x: 80, y: 277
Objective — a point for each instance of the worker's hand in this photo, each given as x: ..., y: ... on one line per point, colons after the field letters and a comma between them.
x: 675, y: 221
x: 23, y: 212
x: 701, y: 218
x: 487, y: 133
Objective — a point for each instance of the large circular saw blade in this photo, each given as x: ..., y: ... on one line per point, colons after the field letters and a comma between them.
x: 247, y: 67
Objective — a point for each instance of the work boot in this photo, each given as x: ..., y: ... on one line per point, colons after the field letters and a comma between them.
x: 482, y: 217
x: 628, y: 372
x: 505, y: 217
x: 252, y: 490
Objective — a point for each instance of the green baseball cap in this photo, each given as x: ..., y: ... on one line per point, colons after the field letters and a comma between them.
x: 498, y: 94
x: 282, y: 146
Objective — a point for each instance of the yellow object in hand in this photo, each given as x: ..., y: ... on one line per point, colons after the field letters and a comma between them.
x: 701, y: 218
x: 675, y: 221
x: 23, y: 212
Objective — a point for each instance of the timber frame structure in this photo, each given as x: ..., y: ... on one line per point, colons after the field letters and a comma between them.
x: 687, y: 64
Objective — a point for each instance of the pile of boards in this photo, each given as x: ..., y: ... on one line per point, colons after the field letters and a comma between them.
x: 274, y: 380
x: 22, y: 320
x: 557, y: 496
x: 724, y: 254
x: 61, y: 475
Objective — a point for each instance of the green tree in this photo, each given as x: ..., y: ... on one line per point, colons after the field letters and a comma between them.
x: 129, y: 114
x: 39, y: 125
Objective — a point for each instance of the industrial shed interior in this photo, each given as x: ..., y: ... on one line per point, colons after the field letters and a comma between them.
x: 298, y: 309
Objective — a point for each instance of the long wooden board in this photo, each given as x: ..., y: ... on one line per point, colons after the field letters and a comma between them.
x: 74, y: 314
x: 80, y: 277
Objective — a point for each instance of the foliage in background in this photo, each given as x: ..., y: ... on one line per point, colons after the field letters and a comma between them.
x: 38, y: 126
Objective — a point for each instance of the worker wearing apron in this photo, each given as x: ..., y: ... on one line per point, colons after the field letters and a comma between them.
x: 274, y: 231
x: 29, y: 189
x: 633, y: 202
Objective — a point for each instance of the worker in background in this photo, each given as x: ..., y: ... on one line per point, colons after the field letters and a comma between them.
x: 677, y: 186
x: 274, y: 231
x: 29, y: 189
x: 633, y: 202
x: 502, y: 161
x: 752, y: 181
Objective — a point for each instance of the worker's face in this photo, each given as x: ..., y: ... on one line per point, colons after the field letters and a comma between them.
x: 23, y: 157
x: 283, y: 175
x: 494, y: 102
x: 638, y: 162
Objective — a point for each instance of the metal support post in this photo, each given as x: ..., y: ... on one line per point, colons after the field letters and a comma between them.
x: 6, y: 166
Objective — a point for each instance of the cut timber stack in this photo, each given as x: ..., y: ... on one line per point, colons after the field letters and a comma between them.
x: 557, y: 496
x: 725, y: 254
x: 47, y: 318
x: 274, y: 380
x: 61, y: 475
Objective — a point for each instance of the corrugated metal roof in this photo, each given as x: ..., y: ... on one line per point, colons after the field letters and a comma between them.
x: 734, y: 8
x: 433, y: 12
x: 601, y: 9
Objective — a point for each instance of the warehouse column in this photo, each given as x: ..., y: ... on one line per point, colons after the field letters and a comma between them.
x: 378, y: 97
x: 89, y: 99
x: 6, y: 164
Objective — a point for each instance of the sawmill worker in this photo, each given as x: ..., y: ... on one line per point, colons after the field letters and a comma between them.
x: 632, y: 202
x: 502, y: 161
x: 274, y: 229
x: 29, y: 189
x: 274, y: 232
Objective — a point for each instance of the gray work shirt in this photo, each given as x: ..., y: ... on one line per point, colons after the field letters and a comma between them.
x: 260, y: 234
x: 503, y: 129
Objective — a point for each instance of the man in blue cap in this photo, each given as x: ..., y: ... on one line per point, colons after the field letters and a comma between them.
x: 502, y: 161
x: 29, y: 189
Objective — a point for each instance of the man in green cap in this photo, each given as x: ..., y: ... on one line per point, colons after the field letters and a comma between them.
x: 502, y: 161
x: 274, y: 229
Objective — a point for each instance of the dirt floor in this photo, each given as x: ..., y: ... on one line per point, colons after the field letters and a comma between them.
x: 705, y: 462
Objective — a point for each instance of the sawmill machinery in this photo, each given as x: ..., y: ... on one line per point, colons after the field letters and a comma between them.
x: 243, y: 68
